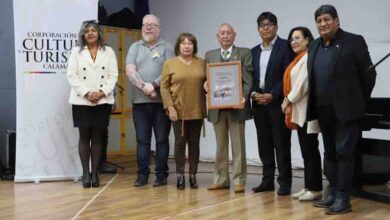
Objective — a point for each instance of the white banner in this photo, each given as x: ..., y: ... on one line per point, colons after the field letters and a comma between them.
x: 46, y: 142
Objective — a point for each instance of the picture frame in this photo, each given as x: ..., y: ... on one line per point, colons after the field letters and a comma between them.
x: 224, y: 84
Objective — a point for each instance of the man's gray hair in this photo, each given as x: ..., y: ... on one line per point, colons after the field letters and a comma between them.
x: 152, y: 16
x: 226, y: 24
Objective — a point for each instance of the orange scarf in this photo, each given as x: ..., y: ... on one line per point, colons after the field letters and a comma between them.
x: 287, y: 88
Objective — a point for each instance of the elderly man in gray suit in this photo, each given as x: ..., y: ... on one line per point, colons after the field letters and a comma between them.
x: 231, y: 121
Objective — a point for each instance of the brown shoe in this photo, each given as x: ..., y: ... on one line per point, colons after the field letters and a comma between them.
x: 217, y: 186
x: 239, y: 188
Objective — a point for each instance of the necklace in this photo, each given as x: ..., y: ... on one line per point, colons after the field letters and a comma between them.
x: 93, y: 52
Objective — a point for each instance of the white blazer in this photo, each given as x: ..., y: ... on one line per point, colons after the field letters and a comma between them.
x: 299, y: 94
x: 84, y: 75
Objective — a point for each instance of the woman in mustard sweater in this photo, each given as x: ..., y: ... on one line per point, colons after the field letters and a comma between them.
x: 184, y: 99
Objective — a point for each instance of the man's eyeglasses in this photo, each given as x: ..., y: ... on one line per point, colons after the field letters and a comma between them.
x: 266, y: 25
x: 146, y: 25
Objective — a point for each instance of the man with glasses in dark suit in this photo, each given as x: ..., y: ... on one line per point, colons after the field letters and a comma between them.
x: 270, y: 59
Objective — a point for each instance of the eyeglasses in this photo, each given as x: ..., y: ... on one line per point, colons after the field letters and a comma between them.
x: 326, y: 20
x: 266, y: 25
x: 295, y: 39
x: 146, y: 25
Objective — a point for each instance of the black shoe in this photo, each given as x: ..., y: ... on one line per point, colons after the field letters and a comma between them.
x: 95, y: 180
x: 339, y: 206
x: 141, y: 180
x: 324, y: 203
x: 181, y: 183
x: 160, y: 181
x: 193, y: 182
x: 263, y: 188
x: 107, y: 168
x: 86, y: 180
x: 284, y: 191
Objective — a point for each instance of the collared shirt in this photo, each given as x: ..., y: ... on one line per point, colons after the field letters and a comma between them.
x: 322, y: 70
x: 230, y: 52
x: 263, y: 63
x: 149, y: 62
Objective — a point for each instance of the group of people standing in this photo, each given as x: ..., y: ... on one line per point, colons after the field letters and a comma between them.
x: 312, y: 86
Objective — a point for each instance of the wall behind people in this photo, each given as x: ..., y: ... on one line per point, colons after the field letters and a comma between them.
x: 7, y: 73
x: 368, y: 18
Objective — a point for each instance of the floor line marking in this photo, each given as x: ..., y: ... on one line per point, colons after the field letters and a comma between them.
x: 164, y: 218
x: 214, y: 205
x: 93, y: 198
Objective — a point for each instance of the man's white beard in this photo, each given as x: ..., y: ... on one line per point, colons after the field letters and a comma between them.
x: 147, y: 38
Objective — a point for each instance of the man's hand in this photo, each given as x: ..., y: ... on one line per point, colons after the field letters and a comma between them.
x: 206, y: 87
x: 258, y: 98
x: 172, y: 113
x: 265, y: 98
x: 153, y: 95
x: 148, y: 89
x: 255, y: 97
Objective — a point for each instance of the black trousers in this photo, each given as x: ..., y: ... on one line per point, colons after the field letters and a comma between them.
x: 340, y: 141
x: 273, y: 138
x: 103, y: 159
x: 311, y: 159
x: 189, y: 134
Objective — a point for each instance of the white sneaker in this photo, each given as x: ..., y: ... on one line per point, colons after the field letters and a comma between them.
x: 299, y: 194
x: 310, y: 196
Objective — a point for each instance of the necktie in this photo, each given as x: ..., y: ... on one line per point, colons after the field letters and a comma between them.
x: 225, y: 54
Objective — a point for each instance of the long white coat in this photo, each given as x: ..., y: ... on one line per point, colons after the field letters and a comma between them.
x: 299, y: 94
x: 84, y: 75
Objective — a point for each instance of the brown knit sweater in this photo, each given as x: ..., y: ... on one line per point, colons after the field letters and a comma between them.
x: 181, y: 86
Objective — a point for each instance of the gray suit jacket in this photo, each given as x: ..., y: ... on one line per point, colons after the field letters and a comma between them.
x: 238, y: 54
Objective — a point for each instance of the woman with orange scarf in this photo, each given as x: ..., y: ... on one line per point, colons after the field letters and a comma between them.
x: 295, y: 89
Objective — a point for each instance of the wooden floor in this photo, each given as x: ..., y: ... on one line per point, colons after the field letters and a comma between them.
x: 118, y: 199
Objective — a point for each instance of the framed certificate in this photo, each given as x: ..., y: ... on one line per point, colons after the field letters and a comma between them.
x: 224, y: 85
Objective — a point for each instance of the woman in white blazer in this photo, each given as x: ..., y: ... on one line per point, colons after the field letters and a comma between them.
x: 92, y: 73
x: 295, y: 88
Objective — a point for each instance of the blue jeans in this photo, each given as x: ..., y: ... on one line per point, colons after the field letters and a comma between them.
x: 146, y: 117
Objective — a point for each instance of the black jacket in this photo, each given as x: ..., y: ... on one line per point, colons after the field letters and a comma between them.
x: 351, y: 79
x: 280, y: 58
